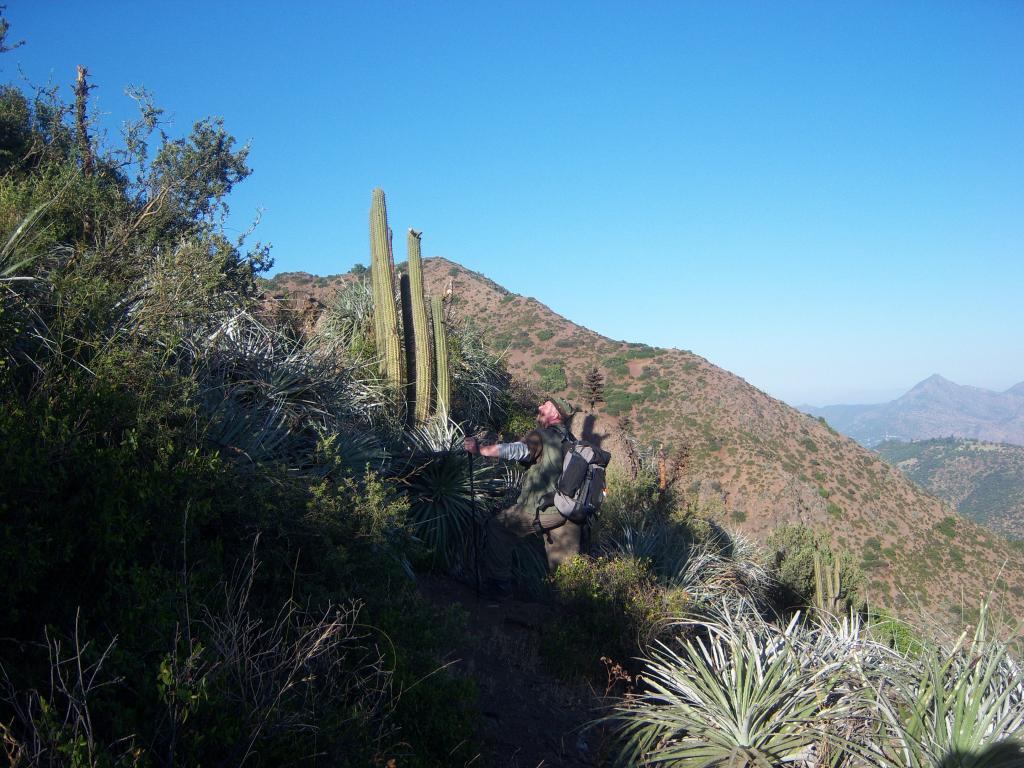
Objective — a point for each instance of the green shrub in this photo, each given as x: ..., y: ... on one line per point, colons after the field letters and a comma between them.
x: 619, y: 401
x: 616, y: 366
x: 871, y: 559
x: 552, y: 377
x: 947, y: 527
x: 824, y: 423
x: 611, y: 607
x: 794, y: 548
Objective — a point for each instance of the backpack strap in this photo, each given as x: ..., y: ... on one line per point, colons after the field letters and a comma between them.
x: 567, y: 436
x: 546, y: 501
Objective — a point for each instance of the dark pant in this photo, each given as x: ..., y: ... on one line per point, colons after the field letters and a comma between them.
x: 513, y: 527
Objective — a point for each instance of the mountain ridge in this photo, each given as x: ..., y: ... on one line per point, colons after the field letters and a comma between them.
x: 933, y: 408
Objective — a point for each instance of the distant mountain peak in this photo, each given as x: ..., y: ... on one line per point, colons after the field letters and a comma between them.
x: 935, y: 380
x: 934, y: 408
x: 935, y: 386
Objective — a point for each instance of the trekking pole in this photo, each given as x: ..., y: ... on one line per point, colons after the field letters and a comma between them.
x: 476, y: 525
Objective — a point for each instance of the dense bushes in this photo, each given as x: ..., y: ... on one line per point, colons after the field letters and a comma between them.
x: 196, y: 564
x: 608, y: 607
x: 113, y: 527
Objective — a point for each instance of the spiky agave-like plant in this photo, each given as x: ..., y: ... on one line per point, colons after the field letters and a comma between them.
x: 479, y: 379
x: 738, y: 694
x: 434, y: 471
x: 347, y: 323
x: 272, y: 398
x: 714, y: 577
x: 21, y: 295
x: 961, y: 707
x: 650, y: 538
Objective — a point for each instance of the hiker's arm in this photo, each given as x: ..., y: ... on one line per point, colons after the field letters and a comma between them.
x: 507, y: 451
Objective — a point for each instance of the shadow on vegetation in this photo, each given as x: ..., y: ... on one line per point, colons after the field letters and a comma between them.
x: 1005, y: 754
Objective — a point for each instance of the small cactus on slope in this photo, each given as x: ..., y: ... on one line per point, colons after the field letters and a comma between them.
x: 827, y: 586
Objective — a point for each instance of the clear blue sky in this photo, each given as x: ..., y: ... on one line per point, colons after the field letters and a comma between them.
x: 825, y: 198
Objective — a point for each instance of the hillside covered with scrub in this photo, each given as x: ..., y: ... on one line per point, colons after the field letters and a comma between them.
x: 982, y: 481
x: 747, y: 459
x: 239, y: 528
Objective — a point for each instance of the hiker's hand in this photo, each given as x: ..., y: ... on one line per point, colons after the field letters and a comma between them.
x: 471, y: 445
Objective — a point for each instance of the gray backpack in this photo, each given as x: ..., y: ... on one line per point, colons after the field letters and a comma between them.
x: 581, y: 486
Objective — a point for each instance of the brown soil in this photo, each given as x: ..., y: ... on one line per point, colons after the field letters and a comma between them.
x: 531, y: 718
x: 636, y: 367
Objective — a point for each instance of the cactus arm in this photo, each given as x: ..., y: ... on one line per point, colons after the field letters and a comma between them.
x: 444, y: 397
x: 379, y: 243
x: 385, y: 311
x: 411, y: 393
x: 419, y: 331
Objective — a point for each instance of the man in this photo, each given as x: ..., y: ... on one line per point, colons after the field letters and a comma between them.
x: 542, y: 450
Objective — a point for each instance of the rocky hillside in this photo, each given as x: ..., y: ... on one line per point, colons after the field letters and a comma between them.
x: 984, y: 481
x: 752, y: 460
x: 934, y: 408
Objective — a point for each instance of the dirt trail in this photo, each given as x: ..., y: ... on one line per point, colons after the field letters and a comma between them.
x: 531, y: 718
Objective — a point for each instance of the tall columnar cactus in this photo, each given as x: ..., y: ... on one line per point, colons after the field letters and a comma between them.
x: 444, y: 393
x: 827, y: 585
x: 385, y: 311
x: 419, y: 343
x: 409, y: 350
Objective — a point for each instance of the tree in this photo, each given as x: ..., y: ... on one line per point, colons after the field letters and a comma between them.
x: 593, y: 387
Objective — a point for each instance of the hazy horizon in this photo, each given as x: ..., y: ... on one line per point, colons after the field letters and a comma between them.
x: 827, y: 200
x: 855, y: 396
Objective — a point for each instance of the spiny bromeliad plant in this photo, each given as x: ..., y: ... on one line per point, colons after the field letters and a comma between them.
x: 739, y: 696
x: 445, y: 502
x: 958, y: 707
x: 745, y: 693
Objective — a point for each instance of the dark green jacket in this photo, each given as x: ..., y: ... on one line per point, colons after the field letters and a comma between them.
x: 543, y: 474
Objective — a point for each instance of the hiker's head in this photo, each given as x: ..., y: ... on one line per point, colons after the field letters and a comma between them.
x: 550, y: 412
